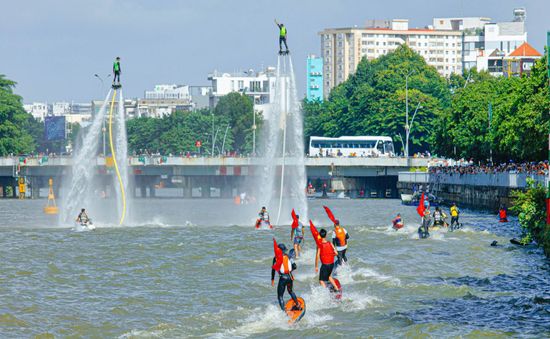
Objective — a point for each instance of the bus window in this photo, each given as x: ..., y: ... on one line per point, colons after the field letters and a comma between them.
x: 380, y: 147
x: 388, y: 146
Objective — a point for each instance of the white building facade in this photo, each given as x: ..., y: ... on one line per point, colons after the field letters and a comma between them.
x: 258, y: 85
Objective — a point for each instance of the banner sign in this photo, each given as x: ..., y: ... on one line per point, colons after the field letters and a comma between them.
x: 54, y: 128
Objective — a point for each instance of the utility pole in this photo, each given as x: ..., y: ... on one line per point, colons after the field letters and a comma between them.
x: 103, y: 129
x: 407, y: 113
x: 490, y: 143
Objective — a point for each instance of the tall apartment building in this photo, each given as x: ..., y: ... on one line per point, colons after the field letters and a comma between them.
x: 343, y: 48
x: 314, y: 78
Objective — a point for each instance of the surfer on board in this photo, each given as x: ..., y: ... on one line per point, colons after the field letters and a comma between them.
x: 262, y: 216
x: 326, y: 253
x: 283, y: 264
x: 340, y: 240
x: 83, y: 217
x: 397, y: 222
x: 297, y: 233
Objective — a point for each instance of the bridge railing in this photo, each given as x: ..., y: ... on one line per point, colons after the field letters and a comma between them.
x: 506, y: 179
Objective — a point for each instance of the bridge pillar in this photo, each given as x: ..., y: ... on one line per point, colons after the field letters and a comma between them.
x: 152, y: 192
x: 187, y: 187
x: 14, y: 191
x: 205, y: 189
x: 143, y: 190
x: 35, y: 188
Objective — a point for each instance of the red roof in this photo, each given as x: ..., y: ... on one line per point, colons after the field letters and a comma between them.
x: 525, y: 50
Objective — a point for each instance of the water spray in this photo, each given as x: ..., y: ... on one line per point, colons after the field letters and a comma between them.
x: 122, y: 193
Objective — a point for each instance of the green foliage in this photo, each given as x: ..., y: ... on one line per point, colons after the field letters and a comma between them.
x: 178, y: 132
x: 14, y: 121
x: 238, y: 109
x: 520, y: 117
x: 373, y: 101
x: 531, y: 209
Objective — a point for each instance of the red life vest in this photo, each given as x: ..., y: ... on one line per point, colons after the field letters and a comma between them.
x: 327, y: 253
x: 502, y: 214
x: 340, y: 235
x: 285, y: 266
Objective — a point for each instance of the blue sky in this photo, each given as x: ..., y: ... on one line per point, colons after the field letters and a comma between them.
x: 52, y: 48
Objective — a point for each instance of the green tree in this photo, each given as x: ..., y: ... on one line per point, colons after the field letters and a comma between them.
x: 373, y: 101
x: 14, y: 121
x: 238, y: 110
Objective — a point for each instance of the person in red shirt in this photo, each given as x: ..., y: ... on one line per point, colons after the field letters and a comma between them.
x: 326, y: 253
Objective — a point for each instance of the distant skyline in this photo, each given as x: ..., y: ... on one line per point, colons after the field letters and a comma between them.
x: 52, y: 49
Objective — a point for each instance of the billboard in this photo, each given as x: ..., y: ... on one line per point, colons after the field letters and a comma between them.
x: 54, y: 128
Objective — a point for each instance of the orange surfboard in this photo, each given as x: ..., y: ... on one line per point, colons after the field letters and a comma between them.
x: 295, y: 315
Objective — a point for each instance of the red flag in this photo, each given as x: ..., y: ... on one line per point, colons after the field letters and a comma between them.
x: 420, y: 209
x: 315, y: 233
x: 278, y: 256
x: 329, y: 213
x: 295, y: 222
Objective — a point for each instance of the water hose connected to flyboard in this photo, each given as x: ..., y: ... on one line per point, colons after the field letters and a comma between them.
x: 112, y: 145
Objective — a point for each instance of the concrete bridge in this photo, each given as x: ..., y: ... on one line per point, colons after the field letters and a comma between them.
x: 354, y: 174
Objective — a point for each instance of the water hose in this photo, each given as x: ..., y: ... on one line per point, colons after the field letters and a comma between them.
x: 112, y: 145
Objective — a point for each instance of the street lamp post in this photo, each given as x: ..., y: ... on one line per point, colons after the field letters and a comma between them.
x: 408, y: 128
x: 407, y: 112
x: 103, y: 130
x: 224, y: 136
x: 253, y: 133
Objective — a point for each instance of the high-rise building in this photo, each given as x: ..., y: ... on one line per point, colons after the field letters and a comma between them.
x: 314, y: 68
x: 343, y: 48
x: 451, y: 45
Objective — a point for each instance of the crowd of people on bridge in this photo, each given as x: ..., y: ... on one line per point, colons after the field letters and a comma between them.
x: 461, y: 168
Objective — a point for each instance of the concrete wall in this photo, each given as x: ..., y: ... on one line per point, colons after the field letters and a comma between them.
x: 485, y: 191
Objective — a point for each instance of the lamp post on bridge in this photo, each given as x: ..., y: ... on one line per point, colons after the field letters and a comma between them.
x: 103, y: 129
x: 407, y: 112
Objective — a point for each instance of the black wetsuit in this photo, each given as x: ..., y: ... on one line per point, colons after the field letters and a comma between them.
x: 341, y: 258
x: 285, y: 281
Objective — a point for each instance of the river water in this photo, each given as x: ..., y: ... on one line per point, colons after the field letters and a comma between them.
x: 197, y: 268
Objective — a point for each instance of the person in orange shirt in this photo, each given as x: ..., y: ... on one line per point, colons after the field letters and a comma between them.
x: 326, y: 253
x: 340, y: 240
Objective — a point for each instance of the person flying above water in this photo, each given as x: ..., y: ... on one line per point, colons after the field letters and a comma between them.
x: 83, y: 217
x: 439, y: 217
x: 340, y: 240
x: 326, y: 253
x: 282, y: 38
x: 297, y: 236
x: 116, y: 71
x: 286, y: 280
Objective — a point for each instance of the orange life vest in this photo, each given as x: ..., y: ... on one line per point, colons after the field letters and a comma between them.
x: 340, y: 236
x: 286, y: 267
x: 327, y: 253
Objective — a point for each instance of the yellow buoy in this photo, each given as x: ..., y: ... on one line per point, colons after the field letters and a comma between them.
x: 51, y: 207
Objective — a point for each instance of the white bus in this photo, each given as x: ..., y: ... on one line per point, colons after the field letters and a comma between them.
x: 361, y: 146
